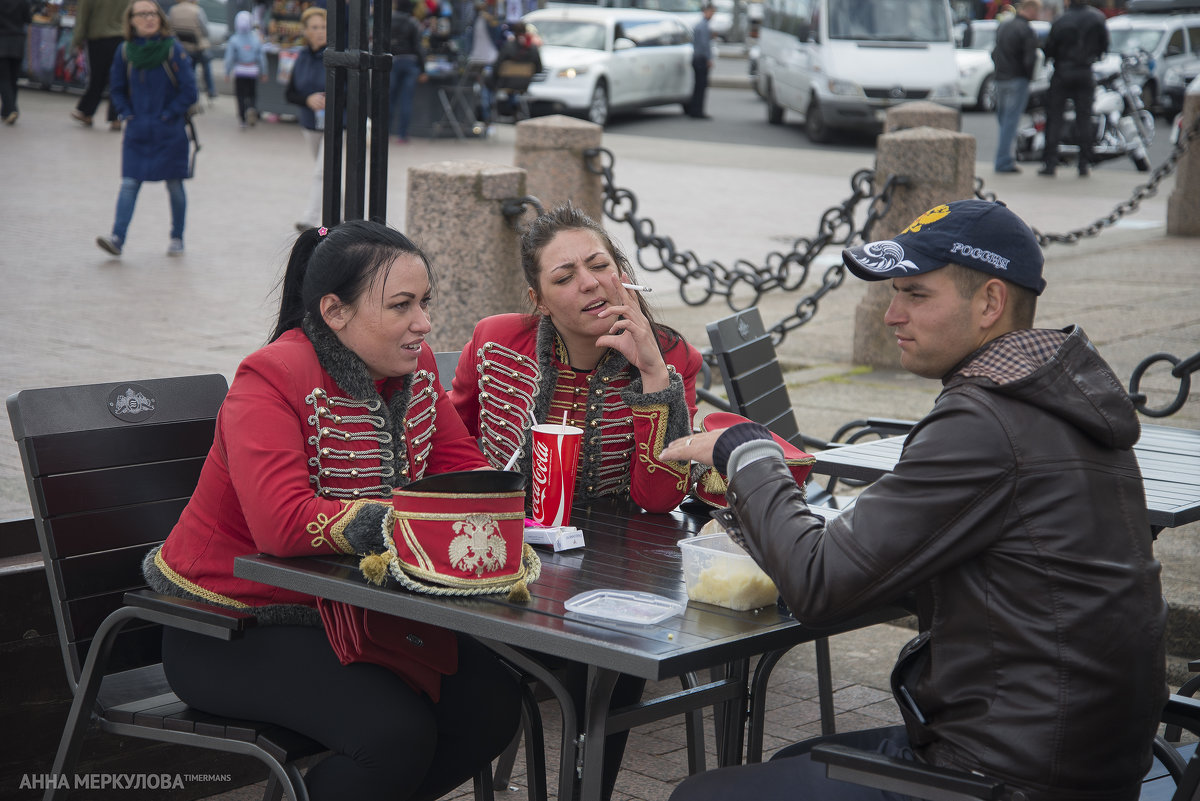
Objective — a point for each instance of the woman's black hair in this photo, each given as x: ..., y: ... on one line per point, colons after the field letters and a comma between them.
x: 541, y: 232
x: 344, y: 261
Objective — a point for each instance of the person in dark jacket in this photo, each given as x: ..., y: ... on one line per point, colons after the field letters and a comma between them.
x: 1015, y: 58
x: 519, y: 60
x: 1077, y: 39
x: 14, y: 16
x: 153, y: 85
x: 408, y: 67
x: 306, y: 89
x: 99, y: 29
x: 1014, y: 521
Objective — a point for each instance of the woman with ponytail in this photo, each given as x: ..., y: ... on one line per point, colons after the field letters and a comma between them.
x: 320, y: 425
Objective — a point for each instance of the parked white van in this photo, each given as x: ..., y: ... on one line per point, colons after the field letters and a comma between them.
x: 842, y: 63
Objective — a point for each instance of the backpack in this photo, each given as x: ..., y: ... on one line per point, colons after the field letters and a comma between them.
x: 188, y: 115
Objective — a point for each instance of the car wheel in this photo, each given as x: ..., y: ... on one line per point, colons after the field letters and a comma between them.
x: 597, y: 110
x: 774, y: 110
x: 987, y: 94
x: 814, y: 124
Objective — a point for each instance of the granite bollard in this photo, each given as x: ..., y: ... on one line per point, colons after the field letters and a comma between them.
x: 939, y: 166
x: 1183, y: 206
x: 550, y: 150
x: 455, y: 214
x: 922, y: 114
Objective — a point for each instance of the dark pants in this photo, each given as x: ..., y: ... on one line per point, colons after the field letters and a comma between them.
x: 402, y: 90
x: 10, y: 68
x: 388, y: 740
x: 700, y: 67
x: 246, y: 90
x: 791, y: 775
x: 100, y: 53
x: 1077, y: 84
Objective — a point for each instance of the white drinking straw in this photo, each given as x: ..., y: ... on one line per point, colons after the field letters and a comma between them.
x: 564, y: 418
x: 512, y: 459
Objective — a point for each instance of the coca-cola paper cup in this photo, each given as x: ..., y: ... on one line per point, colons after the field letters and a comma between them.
x: 555, y: 458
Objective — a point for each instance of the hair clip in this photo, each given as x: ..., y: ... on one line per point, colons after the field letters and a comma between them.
x: 322, y: 231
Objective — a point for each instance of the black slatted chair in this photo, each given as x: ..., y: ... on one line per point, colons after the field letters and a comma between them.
x: 754, y: 386
x: 918, y: 780
x: 447, y: 363
x: 109, y: 469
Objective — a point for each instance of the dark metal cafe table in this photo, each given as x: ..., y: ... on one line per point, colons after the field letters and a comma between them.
x: 626, y: 549
x: 1169, y: 458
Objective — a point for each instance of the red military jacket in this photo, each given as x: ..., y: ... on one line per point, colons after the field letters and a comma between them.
x: 514, y: 373
x: 307, y: 446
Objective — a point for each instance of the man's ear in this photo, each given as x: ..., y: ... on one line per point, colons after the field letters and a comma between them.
x: 993, y: 299
x: 335, y: 313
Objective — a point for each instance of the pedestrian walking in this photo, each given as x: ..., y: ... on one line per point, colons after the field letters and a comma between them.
x: 408, y: 67
x: 1015, y: 58
x: 306, y: 89
x: 1077, y: 39
x: 246, y: 62
x: 190, y: 24
x: 153, y: 86
x: 99, y: 30
x: 702, y: 54
x: 14, y: 16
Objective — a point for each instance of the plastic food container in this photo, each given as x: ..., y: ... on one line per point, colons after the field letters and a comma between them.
x: 718, y: 571
x: 624, y: 606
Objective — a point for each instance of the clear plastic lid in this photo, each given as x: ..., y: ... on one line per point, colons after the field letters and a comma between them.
x: 624, y: 606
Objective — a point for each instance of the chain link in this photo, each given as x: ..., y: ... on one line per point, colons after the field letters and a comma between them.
x: 744, y: 284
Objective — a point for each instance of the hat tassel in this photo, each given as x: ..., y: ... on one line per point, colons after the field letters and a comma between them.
x: 374, y: 567
x: 519, y: 593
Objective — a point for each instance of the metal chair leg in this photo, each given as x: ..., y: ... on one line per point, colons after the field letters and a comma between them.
x: 825, y: 687
x: 483, y: 784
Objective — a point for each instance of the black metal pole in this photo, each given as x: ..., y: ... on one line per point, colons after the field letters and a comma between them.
x: 357, y: 77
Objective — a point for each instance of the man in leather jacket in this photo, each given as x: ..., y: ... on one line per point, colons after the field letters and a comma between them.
x: 1015, y: 520
x: 1077, y: 38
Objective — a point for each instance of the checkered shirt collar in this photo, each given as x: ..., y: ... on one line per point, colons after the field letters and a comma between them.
x: 1012, y: 356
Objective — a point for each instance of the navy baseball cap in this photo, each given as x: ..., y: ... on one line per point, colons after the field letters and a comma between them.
x: 980, y: 234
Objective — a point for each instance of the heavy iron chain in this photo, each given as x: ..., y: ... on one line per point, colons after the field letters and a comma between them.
x: 1140, y: 193
x: 745, y: 283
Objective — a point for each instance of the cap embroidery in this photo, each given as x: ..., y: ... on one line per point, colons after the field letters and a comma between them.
x: 979, y: 254
x: 931, y: 216
x: 885, y: 256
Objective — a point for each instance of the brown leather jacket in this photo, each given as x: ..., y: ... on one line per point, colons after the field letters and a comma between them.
x: 1016, y: 519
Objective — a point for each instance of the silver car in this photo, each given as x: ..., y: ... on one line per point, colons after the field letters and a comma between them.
x: 599, y: 60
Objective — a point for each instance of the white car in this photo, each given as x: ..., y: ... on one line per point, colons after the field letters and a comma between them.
x: 599, y: 60
x: 1171, y: 40
x: 976, y: 72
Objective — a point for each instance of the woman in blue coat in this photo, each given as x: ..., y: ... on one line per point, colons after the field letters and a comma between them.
x: 152, y: 86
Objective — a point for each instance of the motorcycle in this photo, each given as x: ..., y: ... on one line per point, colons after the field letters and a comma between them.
x: 1121, y: 125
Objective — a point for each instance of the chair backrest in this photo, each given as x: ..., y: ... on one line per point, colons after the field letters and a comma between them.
x: 514, y: 76
x: 109, y: 468
x: 750, y: 369
x: 447, y: 364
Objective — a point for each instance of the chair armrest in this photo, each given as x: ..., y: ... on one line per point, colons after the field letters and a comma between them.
x: 194, y: 616
x: 1183, y: 712
x: 871, y: 769
x: 872, y: 426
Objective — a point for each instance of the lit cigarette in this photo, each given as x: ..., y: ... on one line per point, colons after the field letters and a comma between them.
x: 637, y: 287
